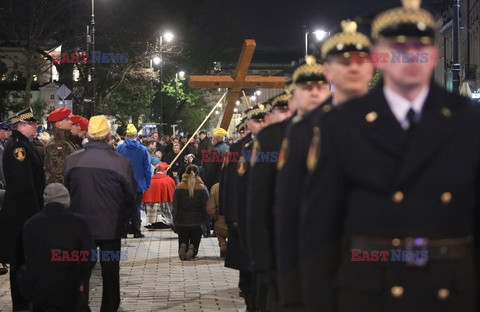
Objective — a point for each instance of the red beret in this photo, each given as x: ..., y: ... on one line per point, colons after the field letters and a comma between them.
x: 83, y: 123
x: 162, y: 166
x: 59, y: 114
x: 75, y: 119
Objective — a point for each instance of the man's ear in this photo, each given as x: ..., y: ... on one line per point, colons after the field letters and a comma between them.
x: 326, y: 71
x: 433, y: 55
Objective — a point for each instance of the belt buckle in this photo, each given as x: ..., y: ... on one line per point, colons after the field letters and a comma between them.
x: 417, y: 251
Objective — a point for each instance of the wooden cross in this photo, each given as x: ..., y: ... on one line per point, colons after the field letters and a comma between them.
x: 238, y: 81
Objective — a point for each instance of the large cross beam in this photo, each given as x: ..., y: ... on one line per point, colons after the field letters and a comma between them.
x: 238, y: 81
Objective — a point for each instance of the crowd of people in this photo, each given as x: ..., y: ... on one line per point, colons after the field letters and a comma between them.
x: 320, y: 182
x: 76, y: 188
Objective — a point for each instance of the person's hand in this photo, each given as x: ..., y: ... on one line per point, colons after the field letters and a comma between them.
x: 81, y: 287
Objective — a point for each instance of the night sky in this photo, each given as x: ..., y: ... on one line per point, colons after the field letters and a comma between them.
x: 275, y: 23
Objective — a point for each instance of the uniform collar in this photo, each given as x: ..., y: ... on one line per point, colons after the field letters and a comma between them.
x: 19, y: 136
x: 98, y: 144
x: 61, y: 133
x: 400, y: 105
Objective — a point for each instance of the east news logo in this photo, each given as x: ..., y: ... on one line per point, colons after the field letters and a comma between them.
x: 59, y: 57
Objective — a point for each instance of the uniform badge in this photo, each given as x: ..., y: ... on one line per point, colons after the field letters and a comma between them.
x: 255, y: 150
x: 241, y: 166
x: 314, y: 150
x: 282, y: 156
x: 19, y: 153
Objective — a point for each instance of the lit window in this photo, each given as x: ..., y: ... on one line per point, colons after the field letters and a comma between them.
x: 76, y: 74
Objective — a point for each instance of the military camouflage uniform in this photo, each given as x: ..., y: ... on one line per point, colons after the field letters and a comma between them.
x: 76, y: 140
x: 56, y: 154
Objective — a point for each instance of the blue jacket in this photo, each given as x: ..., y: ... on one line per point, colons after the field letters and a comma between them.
x: 140, y: 160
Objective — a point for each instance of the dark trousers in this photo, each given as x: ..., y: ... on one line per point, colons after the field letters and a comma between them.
x: 110, y: 278
x: 34, y: 308
x: 189, y: 235
x: 266, y: 292
x: 245, y: 284
x: 18, y: 302
x: 135, y: 218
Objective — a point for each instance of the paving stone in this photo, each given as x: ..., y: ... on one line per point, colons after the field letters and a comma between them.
x: 154, y: 279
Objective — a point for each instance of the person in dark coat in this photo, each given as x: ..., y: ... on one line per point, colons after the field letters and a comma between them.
x: 350, y: 80
x: 389, y: 179
x: 261, y: 192
x: 4, y: 129
x: 50, y: 284
x: 205, y: 143
x: 238, y: 256
x: 212, y: 162
x: 25, y: 177
x: 176, y: 167
x: 190, y: 212
x: 103, y: 188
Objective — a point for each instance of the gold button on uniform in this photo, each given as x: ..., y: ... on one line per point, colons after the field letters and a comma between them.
x: 396, y: 242
x: 398, y: 197
x: 446, y: 112
x: 397, y: 291
x: 446, y: 198
x: 371, y: 117
x: 327, y: 108
x: 443, y: 294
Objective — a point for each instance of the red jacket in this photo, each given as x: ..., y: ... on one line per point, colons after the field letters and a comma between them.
x: 161, y: 190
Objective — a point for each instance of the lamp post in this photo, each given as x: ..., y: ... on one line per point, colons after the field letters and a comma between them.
x: 181, y: 75
x: 91, y: 58
x: 456, y: 67
x: 319, y: 35
x: 168, y: 36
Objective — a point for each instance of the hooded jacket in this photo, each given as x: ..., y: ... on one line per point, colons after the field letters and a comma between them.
x: 161, y: 190
x: 190, y: 211
x: 140, y: 160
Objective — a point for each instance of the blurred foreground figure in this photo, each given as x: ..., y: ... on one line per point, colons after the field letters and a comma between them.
x: 391, y: 213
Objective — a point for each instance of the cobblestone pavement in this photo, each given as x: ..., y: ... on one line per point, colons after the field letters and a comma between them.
x: 154, y: 279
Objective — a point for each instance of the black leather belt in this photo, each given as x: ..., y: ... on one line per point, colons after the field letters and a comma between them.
x: 437, y: 249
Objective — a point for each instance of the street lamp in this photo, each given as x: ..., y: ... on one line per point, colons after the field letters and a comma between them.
x: 168, y: 36
x: 157, y: 60
x: 91, y: 47
x: 319, y: 35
